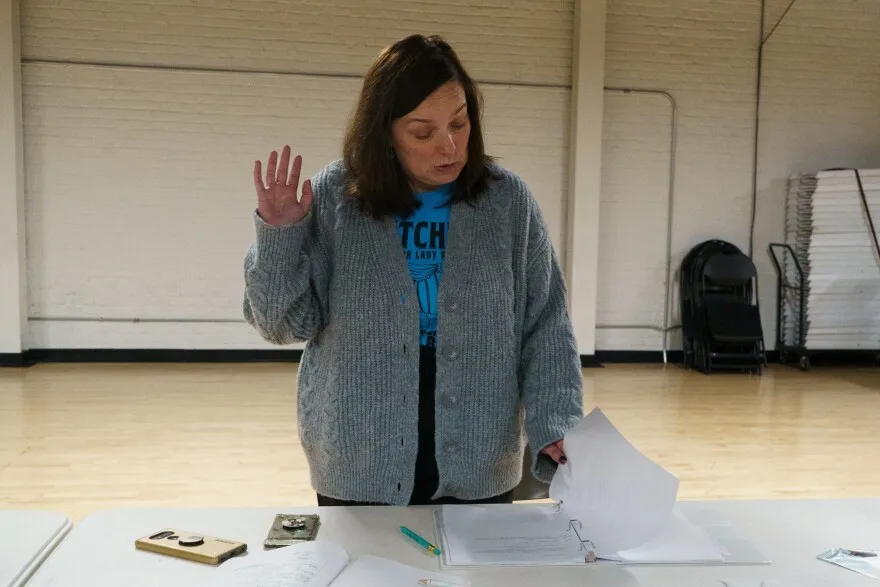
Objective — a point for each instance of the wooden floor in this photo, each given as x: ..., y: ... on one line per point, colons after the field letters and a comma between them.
x: 80, y: 438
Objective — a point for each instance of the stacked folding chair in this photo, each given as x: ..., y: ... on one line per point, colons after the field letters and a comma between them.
x: 721, y: 320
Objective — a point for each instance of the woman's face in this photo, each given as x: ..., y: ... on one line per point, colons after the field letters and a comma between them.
x: 431, y: 141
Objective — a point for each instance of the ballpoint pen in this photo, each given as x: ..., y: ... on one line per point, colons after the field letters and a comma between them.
x: 433, y: 583
x: 420, y: 541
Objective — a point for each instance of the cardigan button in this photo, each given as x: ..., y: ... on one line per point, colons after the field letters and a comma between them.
x: 449, y: 401
x: 453, y: 306
x: 452, y: 354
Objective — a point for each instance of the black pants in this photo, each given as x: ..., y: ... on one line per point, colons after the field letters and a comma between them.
x: 426, y: 475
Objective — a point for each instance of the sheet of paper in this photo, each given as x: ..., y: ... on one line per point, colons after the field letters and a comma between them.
x: 679, y: 542
x: 371, y: 571
x: 511, y: 534
x: 310, y: 564
x: 622, y: 498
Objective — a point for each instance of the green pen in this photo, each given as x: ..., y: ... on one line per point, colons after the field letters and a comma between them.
x: 420, y: 541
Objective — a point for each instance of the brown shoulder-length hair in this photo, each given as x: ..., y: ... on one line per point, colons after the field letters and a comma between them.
x: 403, y: 75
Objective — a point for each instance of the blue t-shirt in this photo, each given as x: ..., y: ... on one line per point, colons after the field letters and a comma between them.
x: 423, y: 236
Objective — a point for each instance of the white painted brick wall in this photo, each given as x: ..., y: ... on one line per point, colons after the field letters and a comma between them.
x: 821, y: 109
x: 13, y: 319
x: 633, y: 218
x: 703, y: 52
x: 138, y: 179
x: 140, y: 190
x: 524, y: 41
x: 89, y: 129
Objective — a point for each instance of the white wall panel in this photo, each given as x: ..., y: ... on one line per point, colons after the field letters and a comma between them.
x: 139, y: 188
x: 528, y: 130
x: 501, y: 40
x: 112, y: 154
x: 821, y: 109
x: 704, y: 53
x: 776, y: 11
x: 633, y: 220
x: 13, y: 280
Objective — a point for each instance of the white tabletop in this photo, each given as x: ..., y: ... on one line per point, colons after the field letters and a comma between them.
x: 26, y: 539
x: 100, y: 550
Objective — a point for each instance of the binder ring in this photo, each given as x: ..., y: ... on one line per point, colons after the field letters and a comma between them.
x: 587, y: 545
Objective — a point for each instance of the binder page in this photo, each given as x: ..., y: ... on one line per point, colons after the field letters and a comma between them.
x: 508, y: 534
x: 622, y: 498
x: 679, y: 542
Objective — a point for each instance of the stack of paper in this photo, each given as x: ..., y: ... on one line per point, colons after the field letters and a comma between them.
x: 828, y: 224
x: 502, y: 535
x: 612, y: 502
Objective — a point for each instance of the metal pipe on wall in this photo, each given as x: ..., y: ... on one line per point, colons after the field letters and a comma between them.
x: 665, y: 328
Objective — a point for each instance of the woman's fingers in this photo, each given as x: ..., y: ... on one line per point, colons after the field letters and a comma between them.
x: 293, y: 179
x: 258, y: 176
x: 555, y: 452
x: 283, y: 166
x: 281, y: 172
x: 271, y: 168
x: 306, y: 201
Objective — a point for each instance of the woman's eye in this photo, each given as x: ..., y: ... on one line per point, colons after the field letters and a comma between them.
x: 458, y: 125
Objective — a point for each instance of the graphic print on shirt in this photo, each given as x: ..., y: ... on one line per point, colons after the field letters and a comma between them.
x: 423, y: 236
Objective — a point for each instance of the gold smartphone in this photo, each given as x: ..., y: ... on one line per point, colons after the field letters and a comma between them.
x: 190, y: 546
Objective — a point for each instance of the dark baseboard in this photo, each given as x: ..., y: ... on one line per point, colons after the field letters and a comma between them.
x: 34, y: 356
x: 16, y: 359
x: 836, y: 358
x: 638, y: 356
x: 820, y: 358
x: 161, y: 356
x: 597, y: 360
x: 590, y: 362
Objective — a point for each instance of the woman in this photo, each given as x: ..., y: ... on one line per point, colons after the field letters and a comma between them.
x: 421, y: 277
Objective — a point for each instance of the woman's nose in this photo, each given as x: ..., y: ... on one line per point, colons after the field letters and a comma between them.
x: 447, y: 147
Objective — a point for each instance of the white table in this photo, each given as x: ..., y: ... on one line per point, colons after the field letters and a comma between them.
x: 26, y: 539
x: 100, y: 550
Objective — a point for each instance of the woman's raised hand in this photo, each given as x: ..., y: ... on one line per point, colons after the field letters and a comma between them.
x: 277, y: 200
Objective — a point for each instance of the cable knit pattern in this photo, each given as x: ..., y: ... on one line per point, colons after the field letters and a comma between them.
x: 507, y: 362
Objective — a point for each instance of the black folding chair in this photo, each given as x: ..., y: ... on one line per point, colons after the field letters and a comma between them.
x: 731, y: 330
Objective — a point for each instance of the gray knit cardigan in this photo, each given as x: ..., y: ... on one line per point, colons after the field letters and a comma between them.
x: 508, y: 369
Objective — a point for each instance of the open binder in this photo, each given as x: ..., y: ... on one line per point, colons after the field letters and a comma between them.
x: 612, y: 505
x: 542, y: 535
